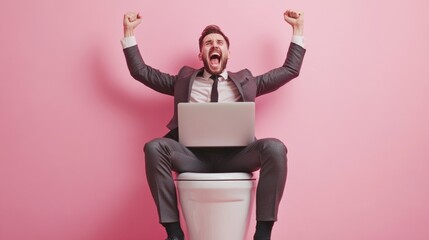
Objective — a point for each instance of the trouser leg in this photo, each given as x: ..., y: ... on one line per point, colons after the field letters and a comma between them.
x: 162, y: 156
x: 270, y: 156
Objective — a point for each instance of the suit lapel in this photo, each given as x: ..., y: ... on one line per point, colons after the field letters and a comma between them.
x: 236, y: 81
x: 191, y: 82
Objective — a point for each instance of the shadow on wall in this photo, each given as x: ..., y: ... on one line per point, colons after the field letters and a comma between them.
x: 142, y: 108
x: 135, y: 217
x: 150, y: 110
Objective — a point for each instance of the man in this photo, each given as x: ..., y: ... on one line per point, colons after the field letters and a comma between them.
x: 213, y: 83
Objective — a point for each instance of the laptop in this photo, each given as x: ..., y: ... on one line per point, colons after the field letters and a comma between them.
x: 216, y: 124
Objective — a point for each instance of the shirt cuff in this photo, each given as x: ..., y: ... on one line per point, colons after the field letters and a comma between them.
x: 128, y: 42
x: 298, y: 40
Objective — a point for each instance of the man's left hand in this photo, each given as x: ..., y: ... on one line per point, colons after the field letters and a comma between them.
x: 296, y: 20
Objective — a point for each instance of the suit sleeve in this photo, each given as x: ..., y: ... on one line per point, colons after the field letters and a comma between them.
x: 278, y: 77
x: 151, y: 77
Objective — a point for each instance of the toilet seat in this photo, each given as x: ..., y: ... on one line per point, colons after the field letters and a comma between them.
x: 192, y: 176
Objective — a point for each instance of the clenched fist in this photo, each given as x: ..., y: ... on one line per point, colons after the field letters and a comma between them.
x: 131, y: 21
x: 296, y: 20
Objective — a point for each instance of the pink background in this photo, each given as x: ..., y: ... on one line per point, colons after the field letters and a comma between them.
x: 73, y: 122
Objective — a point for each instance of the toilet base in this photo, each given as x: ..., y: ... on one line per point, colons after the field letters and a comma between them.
x: 216, y: 210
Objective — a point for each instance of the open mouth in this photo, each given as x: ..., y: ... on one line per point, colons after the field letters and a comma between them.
x: 215, y: 58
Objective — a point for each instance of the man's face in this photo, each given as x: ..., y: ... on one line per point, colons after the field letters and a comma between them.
x: 214, y: 53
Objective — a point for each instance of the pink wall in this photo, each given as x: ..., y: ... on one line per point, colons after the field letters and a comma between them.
x: 73, y: 122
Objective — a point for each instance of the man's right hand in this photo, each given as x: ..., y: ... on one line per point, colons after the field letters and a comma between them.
x: 131, y: 21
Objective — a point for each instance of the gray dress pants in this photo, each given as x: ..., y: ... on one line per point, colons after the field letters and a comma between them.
x: 164, y: 155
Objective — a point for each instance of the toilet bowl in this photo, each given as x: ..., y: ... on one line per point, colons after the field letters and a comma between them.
x: 216, y: 206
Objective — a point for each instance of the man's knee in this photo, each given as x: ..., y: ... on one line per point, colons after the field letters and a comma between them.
x: 275, y: 153
x: 152, y: 145
x: 157, y: 153
x: 274, y: 146
x: 158, y: 150
x: 156, y: 145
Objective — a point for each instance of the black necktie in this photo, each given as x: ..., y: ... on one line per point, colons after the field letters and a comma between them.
x: 215, y: 95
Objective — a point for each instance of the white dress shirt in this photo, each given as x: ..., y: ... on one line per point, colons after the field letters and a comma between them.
x: 202, y: 89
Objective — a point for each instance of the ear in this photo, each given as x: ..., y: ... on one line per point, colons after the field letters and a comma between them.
x: 200, y: 56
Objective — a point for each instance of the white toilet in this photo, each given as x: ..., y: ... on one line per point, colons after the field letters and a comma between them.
x: 216, y: 206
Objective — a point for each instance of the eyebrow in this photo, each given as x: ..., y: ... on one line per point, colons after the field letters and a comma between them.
x: 217, y: 40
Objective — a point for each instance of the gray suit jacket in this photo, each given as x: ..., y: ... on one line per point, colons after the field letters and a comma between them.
x: 180, y: 85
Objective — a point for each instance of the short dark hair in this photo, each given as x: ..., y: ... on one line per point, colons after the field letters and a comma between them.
x: 212, y: 29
